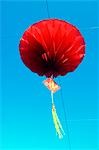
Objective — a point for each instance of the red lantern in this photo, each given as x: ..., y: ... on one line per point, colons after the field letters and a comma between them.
x: 52, y: 47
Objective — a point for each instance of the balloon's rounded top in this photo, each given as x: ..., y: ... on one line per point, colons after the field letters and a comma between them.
x: 52, y: 47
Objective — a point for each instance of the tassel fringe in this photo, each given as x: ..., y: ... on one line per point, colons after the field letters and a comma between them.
x: 58, y: 126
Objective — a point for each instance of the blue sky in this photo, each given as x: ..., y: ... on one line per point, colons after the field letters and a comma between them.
x: 25, y: 114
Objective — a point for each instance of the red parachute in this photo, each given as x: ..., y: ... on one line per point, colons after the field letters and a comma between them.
x: 52, y: 47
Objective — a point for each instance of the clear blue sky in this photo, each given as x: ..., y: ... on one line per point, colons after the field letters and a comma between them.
x: 25, y: 110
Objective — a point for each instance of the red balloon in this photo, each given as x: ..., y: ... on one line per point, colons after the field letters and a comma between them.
x: 52, y: 47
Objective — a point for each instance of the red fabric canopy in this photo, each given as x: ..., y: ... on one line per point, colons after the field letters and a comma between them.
x: 52, y: 47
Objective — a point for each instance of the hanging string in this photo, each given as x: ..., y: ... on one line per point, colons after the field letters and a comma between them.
x: 47, y: 9
x: 52, y: 97
x: 65, y: 117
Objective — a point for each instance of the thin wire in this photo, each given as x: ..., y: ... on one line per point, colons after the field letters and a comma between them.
x: 77, y: 120
x: 90, y: 28
x: 65, y: 117
x: 47, y: 9
x: 94, y: 27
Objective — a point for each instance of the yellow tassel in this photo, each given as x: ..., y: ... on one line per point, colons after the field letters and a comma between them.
x: 58, y: 126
